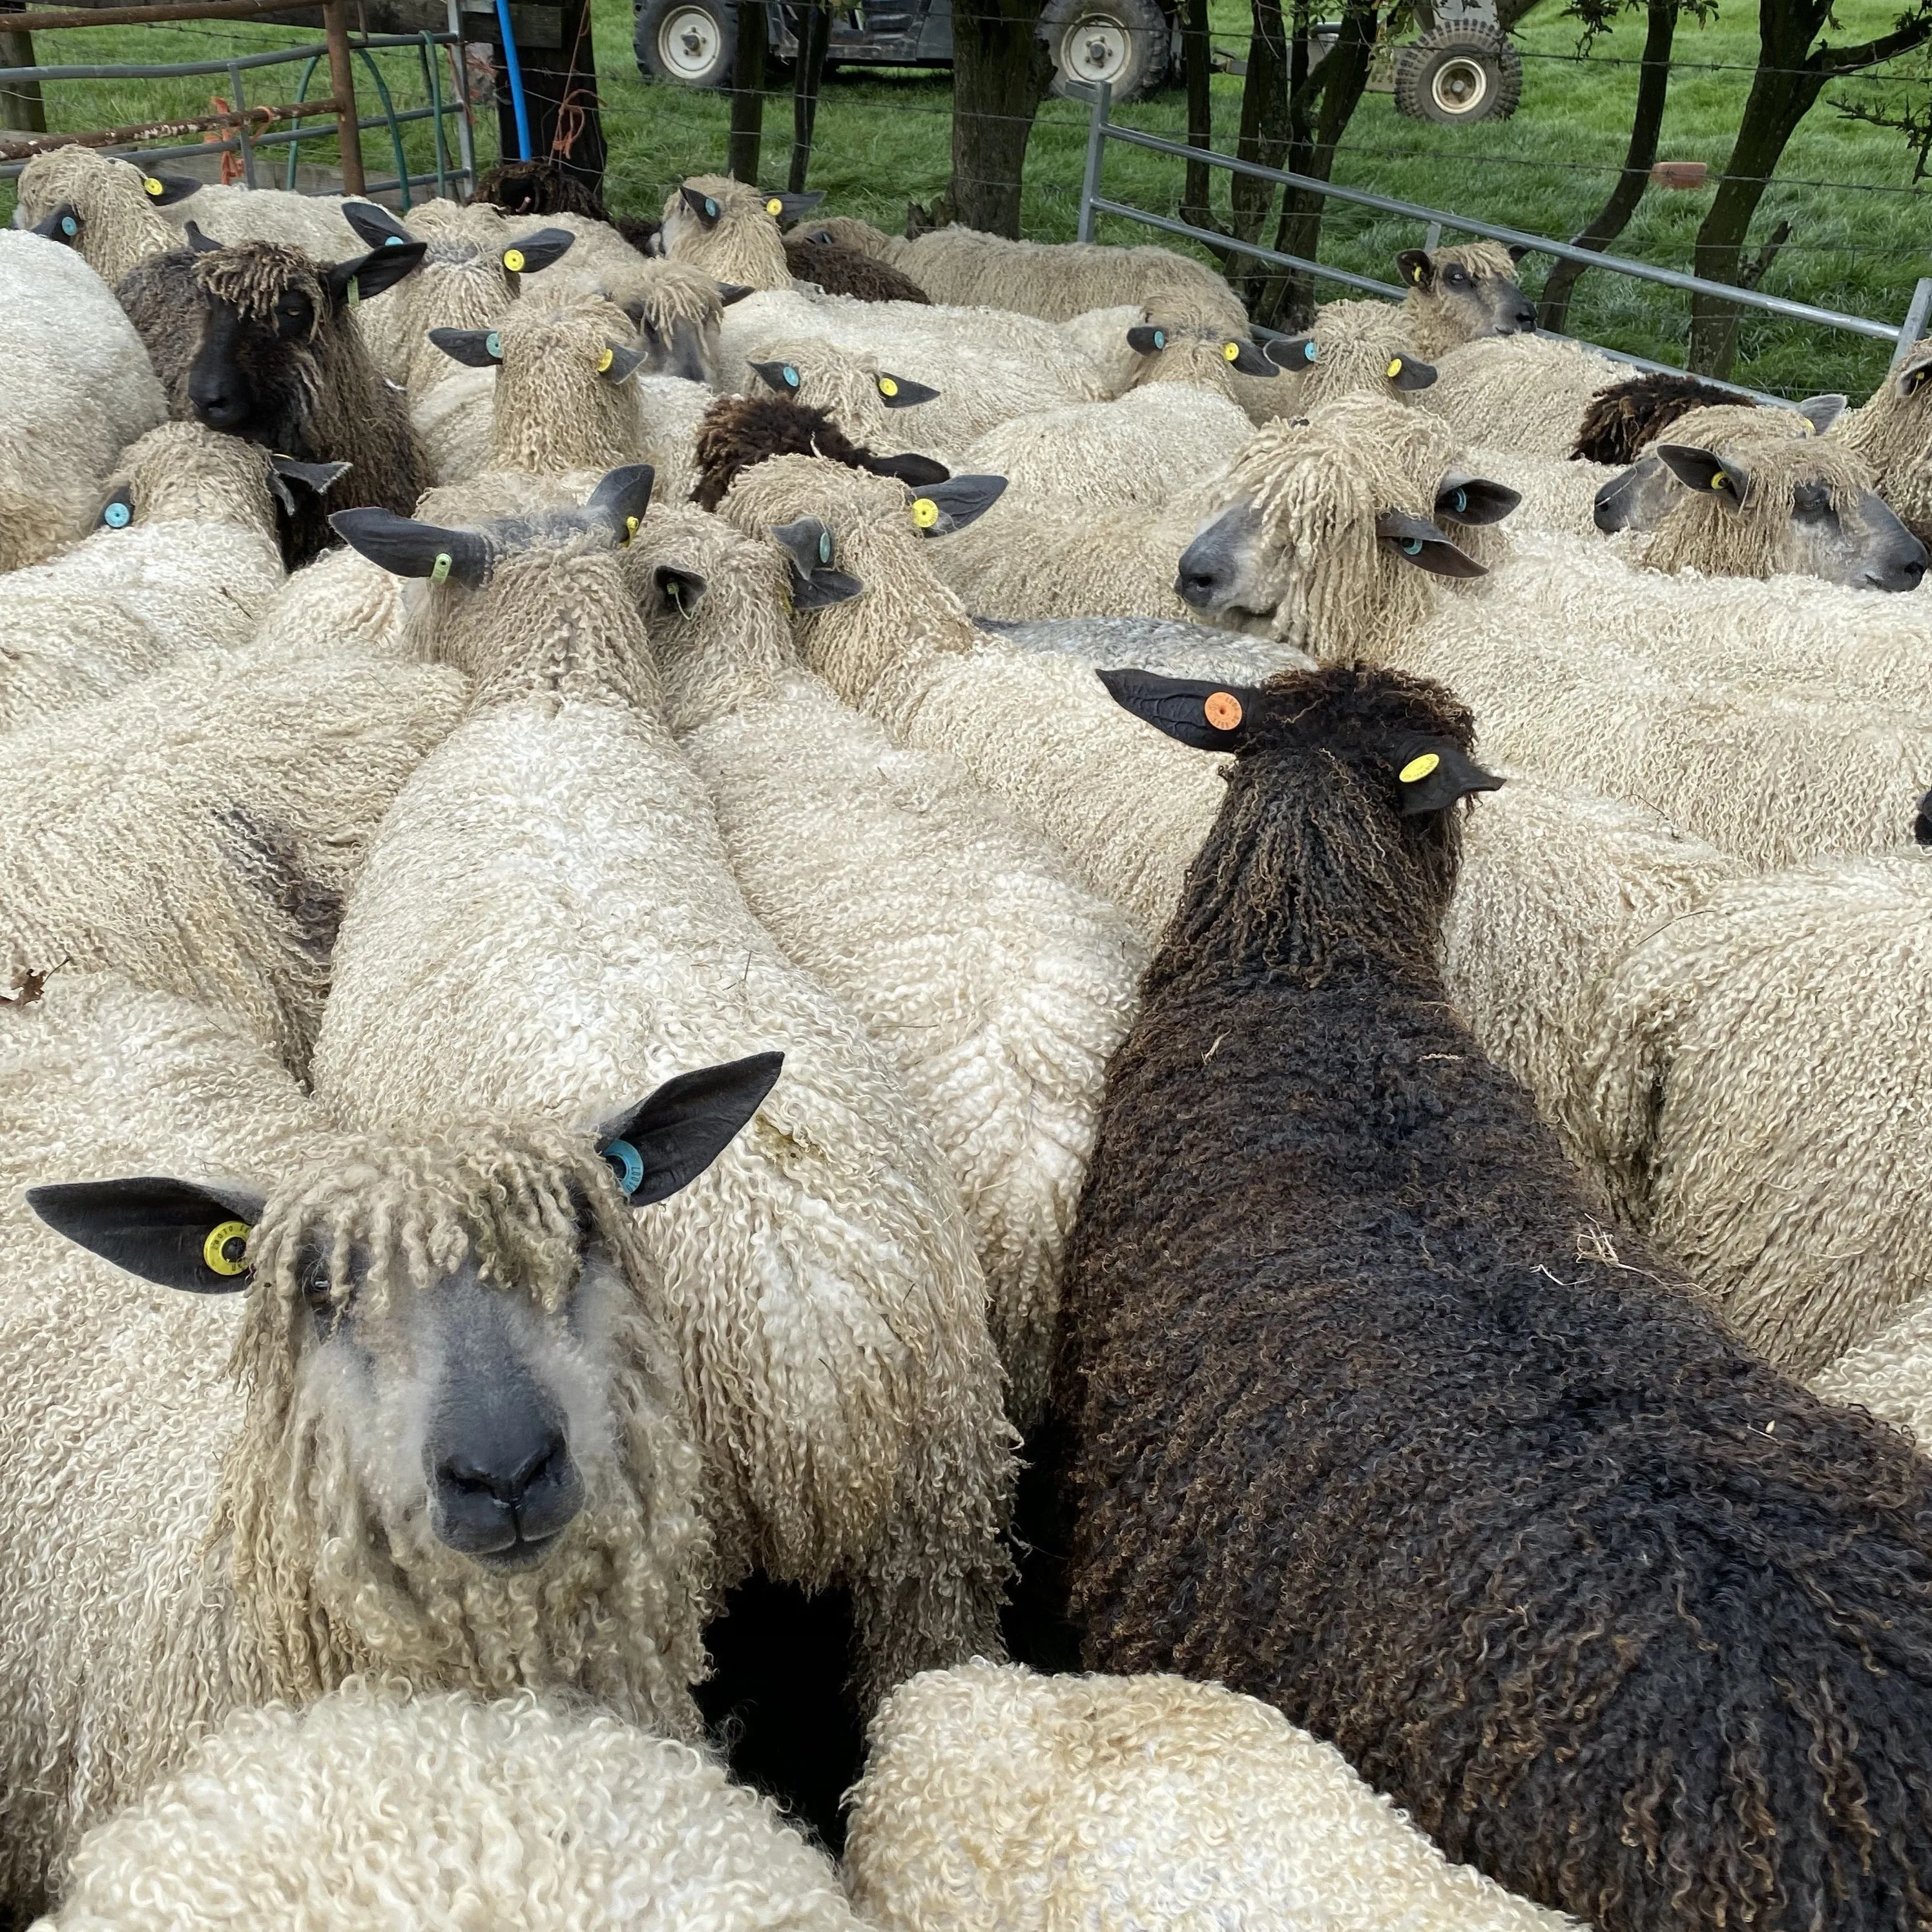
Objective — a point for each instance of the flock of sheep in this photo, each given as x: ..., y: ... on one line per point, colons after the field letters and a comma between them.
x: 663, y: 908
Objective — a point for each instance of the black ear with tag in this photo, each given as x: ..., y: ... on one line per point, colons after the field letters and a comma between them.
x: 683, y: 590
x: 479, y: 348
x: 1210, y: 717
x: 1295, y: 353
x: 1431, y: 774
x: 375, y: 224
x: 171, y: 1232
x: 901, y: 392
x: 538, y: 250
x: 318, y: 478
x: 620, y: 500
x: 619, y: 364
x: 198, y: 243
x: 164, y: 190
x: 783, y: 377
x: 1471, y: 501
x: 1418, y: 541
x: 1704, y: 470
x: 1416, y: 269
x: 807, y: 545
x: 729, y: 292
x: 1405, y: 372
x: 406, y: 548
x: 783, y: 207
x: 368, y: 275
x: 1913, y: 373
x: 1241, y: 355
x: 704, y: 206
x: 665, y: 1143
x: 1146, y: 340
x: 62, y: 225
x: 1821, y: 412
x: 940, y: 509
x: 921, y: 471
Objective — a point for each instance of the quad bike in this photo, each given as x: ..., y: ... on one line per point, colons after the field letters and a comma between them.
x: 1462, y: 68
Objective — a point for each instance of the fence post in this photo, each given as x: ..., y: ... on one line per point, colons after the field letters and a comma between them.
x: 342, y: 84
x: 459, y: 64
x: 1096, y: 134
x: 22, y: 109
x: 1915, y: 315
x: 1432, y: 237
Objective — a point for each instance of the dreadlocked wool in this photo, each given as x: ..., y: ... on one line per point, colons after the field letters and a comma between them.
x: 196, y: 831
x: 1442, y: 315
x: 1623, y: 420
x: 375, y: 1808
x: 117, y: 224
x: 1367, y: 1423
x: 183, y: 554
x: 859, y: 389
x: 222, y: 1541
x: 1890, y: 1375
x: 1357, y: 345
x: 738, y: 431
x: 541, y: 185
x: 994, y: 984
x: 967, y: 268
x: 678, y: 311
x: 829, y: 1314
x: 1559, y: 494
x: 840, y: 270
x: 1762, y: 1100
x: 1892, y: 432
x: 993, y: 1797
x: 742, y: 245
x: 75, y: 387
x: 1526, y: 392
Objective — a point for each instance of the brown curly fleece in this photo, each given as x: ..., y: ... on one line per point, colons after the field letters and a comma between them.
x: 1619, y: 421
x: 1370, y: 1421
x: 544, y: 186
x: 737, y: 431
x: 840, y: 271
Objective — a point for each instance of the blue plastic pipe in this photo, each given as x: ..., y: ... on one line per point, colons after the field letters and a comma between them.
x: 513, y: 68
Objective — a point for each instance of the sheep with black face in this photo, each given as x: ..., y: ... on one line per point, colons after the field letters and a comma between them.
x: 1370, y: 1423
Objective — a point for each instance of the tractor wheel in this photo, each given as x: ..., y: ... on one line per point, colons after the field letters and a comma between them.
x: 1126, y: 42
x: 689, y: 41
x: 1468, y: 72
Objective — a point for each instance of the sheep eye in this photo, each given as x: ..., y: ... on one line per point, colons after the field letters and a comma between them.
x: 1457, y: 279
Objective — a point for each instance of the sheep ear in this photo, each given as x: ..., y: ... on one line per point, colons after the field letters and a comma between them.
x: 901, y: 392
x: 1415, y: 268
x: 62, y: 225
x: 807, y: 545
x: 198, y: 243
x: 1240, y: 354
x: 783, y: 207
x: 782, y: 377
x: 683, y: 590
x: 317, y: 477
x: 729, y: 292
x: 1517, y: 250
x: 665, y: 1143
x: 1210, y: 717
x: 1821, y: 412
x: 619, y: 364
x: 1295, y: 353
x: 1405, y: 372
x: 1434, y: 772
x: 940, y: 509
x: 406, y: 548
x: 1418, y: 541
x: 620, y: 500
x: 348, y: 283
x: 375, y: 224
x: 921, y: 471
x: 479, y: 348
x: 539, y: 250
x: 1704, y: 470
x: 1912, y: 373
x: 1145, y: 340
x: 1473, y: 500
x: 702, y: 206
x: 171, y: 1232
x: 164, y: 190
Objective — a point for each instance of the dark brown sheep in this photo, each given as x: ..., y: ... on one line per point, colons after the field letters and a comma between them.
x: 737, y: 431
x: 840, y: 271
x: 1620, y: 422
x: 257, y: 339
x: 1370, y: 1420
x: 544, y: 186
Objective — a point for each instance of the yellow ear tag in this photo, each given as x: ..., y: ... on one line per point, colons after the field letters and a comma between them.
x: 630, y: 528
x: 1394, y: 369
x: 1415, y: 274
x: 1720, y: 481
x: 775, y: 206
x: 223, y: 1249
x: 441, y: 569
x: 925, y: 512
x: 153, y: 186
x: 604, y: 361
x: 1223, y: 709
x: 1231, y: 350
x: 1419, y: 768
x: 355, y: 291
x: 887, y: 387
x: 513, y: 260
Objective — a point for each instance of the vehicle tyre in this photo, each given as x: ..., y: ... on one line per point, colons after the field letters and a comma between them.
x: 1455, y: 74
x: 1127, y: 42
x: 691, y: 42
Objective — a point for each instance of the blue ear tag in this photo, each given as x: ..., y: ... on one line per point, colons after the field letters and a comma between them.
x: 494, y: 343
x: 626, y: 1164
x: 1461, y: 501
x: 825, y: 546
x: 710, y: 209
x: 1308, y: 351
x: 1411, y: 546
x: 118, y: 515
x: 1160, y: 338
x: 441, y: 569
x: 790, y: 375
x: 69, y: 225
x: 392, y: 241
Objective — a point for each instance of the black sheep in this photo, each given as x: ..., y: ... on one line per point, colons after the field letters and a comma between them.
x: 840, y: 271
x: 737, y: 431
x: 1620, y: 422
x: 257, y: 339
x: 1370, y: 1419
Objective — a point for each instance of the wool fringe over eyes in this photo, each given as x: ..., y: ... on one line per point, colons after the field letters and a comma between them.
x: 743, y: 245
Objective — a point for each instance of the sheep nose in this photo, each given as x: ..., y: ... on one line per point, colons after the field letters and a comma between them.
x: 1903, y: 574
x: 498, y: 1500
x: 1198, y: 577
x: 216, y: 406
x: 507, y: 1483
x: 1525, y: 318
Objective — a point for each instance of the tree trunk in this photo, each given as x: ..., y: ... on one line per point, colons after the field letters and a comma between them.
x: 1197, y: 53
x: 1263, y: 138
x: 1603, y: 227
x: 747, y: 93
x: 560, y: 99
x: 1001, y: 70
x: 814, y: 31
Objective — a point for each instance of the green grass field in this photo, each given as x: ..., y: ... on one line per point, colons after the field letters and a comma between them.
x: 1859, y: 243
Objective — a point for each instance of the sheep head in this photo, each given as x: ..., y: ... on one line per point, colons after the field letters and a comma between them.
x: 1206, y: 358
x: 1352, y: 346
x: 1460, y: 295
x: 111, y: 206
x: 730, y: 229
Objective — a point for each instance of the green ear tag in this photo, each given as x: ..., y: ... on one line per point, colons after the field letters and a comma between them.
x: 442, y: 570
x: 355, y: 291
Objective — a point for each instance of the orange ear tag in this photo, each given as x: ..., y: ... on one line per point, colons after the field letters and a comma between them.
x: 1223, y: 709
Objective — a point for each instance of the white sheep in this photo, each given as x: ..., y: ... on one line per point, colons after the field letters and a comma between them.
x: 1348, y: 345
x: 1460, y: 294
x: 993, y: 981
x: 374, y: 1811
x: 75, y: 388
x: 547, y: 917
x: 993, y: 1797
x: 870, y: 401
x: 1520, y: 392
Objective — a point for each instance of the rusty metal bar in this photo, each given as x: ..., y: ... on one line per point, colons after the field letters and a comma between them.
x: 139, y: 16
x: 342, y: 84
x: 115, y: 137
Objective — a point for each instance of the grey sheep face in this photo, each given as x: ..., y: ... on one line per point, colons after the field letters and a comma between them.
x: 1474, y: 302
